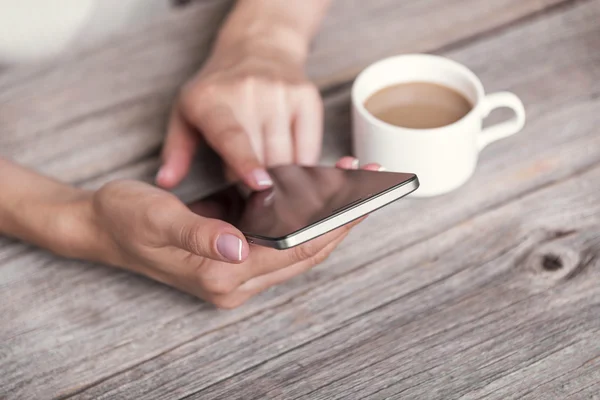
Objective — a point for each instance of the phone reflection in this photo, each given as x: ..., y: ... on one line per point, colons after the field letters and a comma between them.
x: 300, y: 196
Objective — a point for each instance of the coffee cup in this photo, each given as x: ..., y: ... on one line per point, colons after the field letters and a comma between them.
x: 443, y: 157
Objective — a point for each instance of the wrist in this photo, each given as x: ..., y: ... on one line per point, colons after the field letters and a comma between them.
x: 78, y: 235
x: 260, y: 36
x: 48, y: 213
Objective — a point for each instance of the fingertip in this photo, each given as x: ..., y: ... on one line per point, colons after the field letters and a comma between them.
x: 259, y: 179
x: 373, y: 167
x: 166, y: 177
x: 347, y: 163
x: 162, y: 177
x: 176, y: 164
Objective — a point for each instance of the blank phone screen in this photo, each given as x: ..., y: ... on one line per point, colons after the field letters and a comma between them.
x: 299, y: 198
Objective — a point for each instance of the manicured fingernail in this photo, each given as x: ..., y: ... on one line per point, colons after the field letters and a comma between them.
x: 262, y: 178
x: 162, y: 175
x: 355, y: 163
x: 230, y: 247
x: 382, y: 169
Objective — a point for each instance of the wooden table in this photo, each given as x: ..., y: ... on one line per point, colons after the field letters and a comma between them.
x: 492, y: 291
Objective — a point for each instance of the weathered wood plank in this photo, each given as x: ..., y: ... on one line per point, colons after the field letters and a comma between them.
x: 404, y: 27
x: 470, y: 312
x: 90, y: 340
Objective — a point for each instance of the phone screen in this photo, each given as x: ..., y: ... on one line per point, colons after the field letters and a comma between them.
x: 300, y: 197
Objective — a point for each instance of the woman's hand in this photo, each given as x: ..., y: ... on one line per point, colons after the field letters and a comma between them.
x: 253, y: 104
x: 151, y: 232
x: 144, y: 229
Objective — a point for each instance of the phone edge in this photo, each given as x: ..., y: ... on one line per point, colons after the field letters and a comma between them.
x: 339, y: 220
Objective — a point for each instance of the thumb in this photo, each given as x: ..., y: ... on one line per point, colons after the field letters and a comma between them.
x: 227, y: 136
x: 210, y: 238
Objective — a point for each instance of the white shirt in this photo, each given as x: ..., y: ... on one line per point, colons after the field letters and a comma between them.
x: 31, y: 30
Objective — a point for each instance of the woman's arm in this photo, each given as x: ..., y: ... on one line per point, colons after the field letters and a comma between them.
x: 45, y: 212
x: 289, y: 24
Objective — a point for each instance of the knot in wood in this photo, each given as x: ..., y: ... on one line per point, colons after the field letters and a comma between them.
x: 553, y: 262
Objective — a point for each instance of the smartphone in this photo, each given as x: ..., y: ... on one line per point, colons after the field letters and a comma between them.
x: 304, y: 202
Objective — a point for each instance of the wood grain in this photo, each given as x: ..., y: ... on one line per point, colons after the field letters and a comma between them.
x: 134, y: 338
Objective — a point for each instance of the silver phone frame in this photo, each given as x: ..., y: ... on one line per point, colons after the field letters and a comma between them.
x: 342, y: 217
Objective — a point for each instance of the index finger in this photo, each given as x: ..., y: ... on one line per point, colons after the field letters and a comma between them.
x: 226, y: 135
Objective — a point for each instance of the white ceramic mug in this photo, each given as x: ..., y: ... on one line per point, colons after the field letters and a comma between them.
x: 443, y: 158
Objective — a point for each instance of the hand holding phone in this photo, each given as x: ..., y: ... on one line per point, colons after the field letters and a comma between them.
x: 141, y: 228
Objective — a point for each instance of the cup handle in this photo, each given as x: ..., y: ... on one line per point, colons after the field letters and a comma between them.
x: 506, y: 128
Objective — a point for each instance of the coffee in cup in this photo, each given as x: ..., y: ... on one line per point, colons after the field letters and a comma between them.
x: 418, y: 105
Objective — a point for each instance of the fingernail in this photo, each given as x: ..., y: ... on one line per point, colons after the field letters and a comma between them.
x: 381, y: 169
x: 262, y: 178
x: 230, y: 247
x: 355, y: 163
x: 163, y: 174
